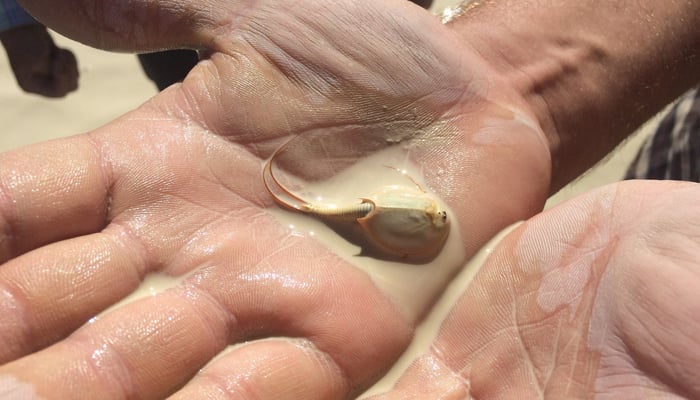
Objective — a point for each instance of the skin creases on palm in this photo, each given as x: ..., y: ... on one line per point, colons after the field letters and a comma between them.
x: 175, y: 187
x: 460, y: 126
x: 597, y: 296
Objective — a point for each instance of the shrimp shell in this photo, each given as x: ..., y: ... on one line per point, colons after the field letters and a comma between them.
x: 397, y: 219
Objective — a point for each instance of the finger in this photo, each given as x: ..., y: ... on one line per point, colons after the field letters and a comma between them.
x: 144, y: 350
x: 49, y: 192
x: 326, y: 296
x: 48, y: 293
x: 271, y: 369
x: 144, y: 25
x: 92, y: 272
x: 428, y: 378
x: 165, y: 339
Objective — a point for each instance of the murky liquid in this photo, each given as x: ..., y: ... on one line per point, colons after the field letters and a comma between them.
x: 412, y: 286
x: 428, y: 328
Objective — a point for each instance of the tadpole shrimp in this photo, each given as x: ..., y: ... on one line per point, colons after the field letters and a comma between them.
x: 404, y: 221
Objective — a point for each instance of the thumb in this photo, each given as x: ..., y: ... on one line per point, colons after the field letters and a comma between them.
x: 133, y: 25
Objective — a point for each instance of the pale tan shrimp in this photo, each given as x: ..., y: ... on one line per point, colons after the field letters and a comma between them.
x: 401, y: 220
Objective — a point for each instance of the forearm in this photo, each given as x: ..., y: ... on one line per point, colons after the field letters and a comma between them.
x: 592, y: 70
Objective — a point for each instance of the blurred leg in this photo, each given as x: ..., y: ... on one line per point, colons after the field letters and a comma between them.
x: 167, y: 67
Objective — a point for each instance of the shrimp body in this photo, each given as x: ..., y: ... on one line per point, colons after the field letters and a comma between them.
x: 401, y: 220
x: 405, y: 221
x: 348, y: 213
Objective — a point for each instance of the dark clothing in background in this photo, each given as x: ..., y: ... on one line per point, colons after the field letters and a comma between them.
x: 673, y: 150
x: 167, y: 67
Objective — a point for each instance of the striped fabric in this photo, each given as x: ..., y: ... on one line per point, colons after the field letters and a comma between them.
x: 13, y: 15
x: 673, y: 151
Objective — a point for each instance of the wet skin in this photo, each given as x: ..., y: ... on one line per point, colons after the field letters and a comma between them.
x: 594, y: 298
x: 174, y: 187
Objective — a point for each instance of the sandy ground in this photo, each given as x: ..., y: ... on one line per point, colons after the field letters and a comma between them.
x: 112, y: 84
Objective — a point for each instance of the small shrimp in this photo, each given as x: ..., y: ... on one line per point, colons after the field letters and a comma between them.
x: 400, y: 220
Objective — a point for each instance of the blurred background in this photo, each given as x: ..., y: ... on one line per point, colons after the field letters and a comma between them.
x: 112, y: 84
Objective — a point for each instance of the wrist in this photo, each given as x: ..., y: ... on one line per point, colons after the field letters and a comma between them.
x: 536, y: 69
x: 576, y: 70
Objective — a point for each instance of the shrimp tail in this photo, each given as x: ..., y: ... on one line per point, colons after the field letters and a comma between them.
x: 294, y: 203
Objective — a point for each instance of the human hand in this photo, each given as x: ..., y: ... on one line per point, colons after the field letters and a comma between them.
x: 175, y: 187
x: 39, y: 65
x: 597, y: 297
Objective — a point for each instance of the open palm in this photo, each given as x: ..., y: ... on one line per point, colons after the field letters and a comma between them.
x: 175, y: 187
x: 597, y: 297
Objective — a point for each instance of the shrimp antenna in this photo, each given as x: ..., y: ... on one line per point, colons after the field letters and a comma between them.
x: 407, y: 176
x: 270, y: 180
